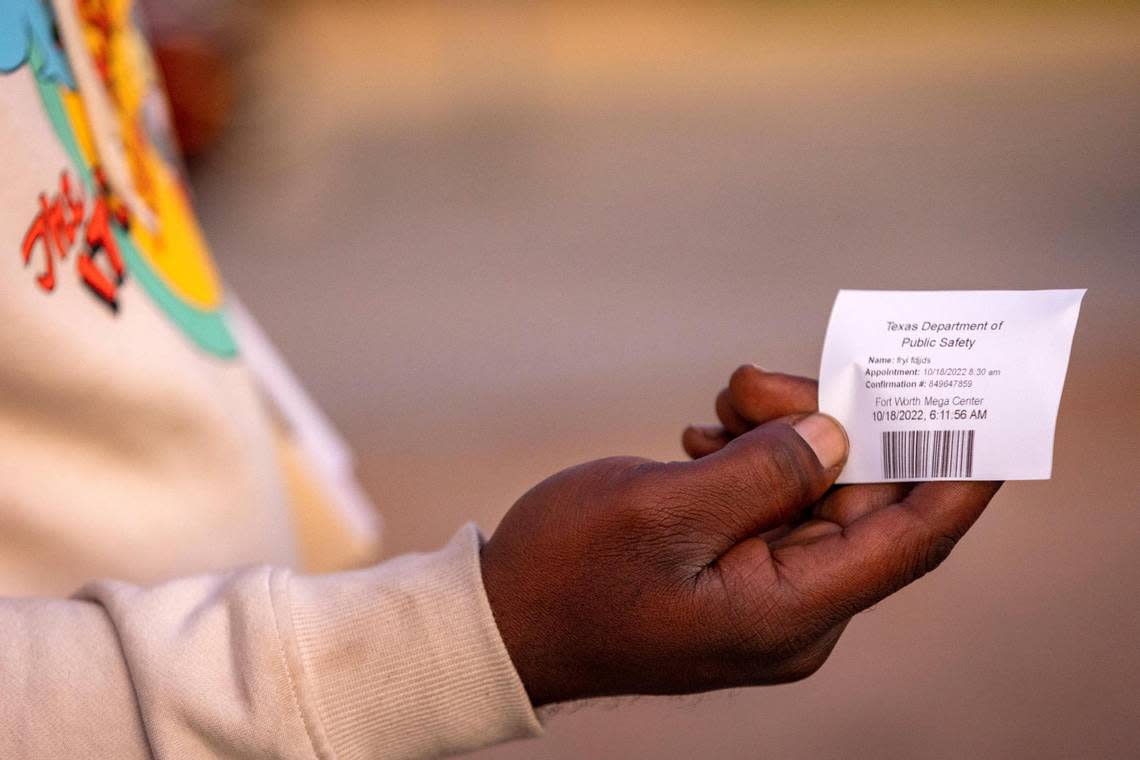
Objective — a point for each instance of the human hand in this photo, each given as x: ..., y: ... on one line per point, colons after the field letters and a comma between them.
x: 629, y: 576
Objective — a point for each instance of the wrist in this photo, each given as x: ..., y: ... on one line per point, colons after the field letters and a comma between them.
x: 530, y: 644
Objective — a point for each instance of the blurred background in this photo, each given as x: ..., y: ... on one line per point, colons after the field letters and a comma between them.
x: 498, y: 239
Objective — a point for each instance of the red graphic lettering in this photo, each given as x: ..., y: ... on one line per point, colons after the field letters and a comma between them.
x: 54, y: 231
x: 100, y: 240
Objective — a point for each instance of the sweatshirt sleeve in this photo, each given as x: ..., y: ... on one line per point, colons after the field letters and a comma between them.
x: 399, y: 660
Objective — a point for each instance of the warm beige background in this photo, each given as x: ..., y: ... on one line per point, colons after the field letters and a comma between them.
x: 495, y: 242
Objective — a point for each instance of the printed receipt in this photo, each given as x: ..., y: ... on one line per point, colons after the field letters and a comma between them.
x: 947, y: 385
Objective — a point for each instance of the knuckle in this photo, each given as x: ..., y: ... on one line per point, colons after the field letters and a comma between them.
x: 742, y: 379
x: 627, y: 485
x: 938, y: 549
x: 744, y: 388
x: 931, y: 553
x: 725, y: 411
x: 803, y: 666
x: 743, y: 371
x: 629, y: 480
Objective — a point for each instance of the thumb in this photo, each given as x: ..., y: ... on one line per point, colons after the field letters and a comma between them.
x: 767, y: 476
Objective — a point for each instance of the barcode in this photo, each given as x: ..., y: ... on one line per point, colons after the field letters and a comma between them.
x: 924, y: 454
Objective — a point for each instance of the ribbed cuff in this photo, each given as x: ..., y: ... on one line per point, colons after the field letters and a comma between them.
x: 404, y: 659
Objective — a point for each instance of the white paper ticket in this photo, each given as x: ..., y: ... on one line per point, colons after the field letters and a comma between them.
x: 947, y: 385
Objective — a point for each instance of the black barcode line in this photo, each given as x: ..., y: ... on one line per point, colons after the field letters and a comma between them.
x: 925, y: 454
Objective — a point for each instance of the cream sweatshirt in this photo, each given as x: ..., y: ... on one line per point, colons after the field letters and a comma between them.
x: 140, y: 444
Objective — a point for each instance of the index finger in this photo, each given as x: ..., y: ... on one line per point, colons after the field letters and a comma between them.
x: 758, y: 396
x: 885, y: 550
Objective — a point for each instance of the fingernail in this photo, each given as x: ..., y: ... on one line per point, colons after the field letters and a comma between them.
x: 826, y: 438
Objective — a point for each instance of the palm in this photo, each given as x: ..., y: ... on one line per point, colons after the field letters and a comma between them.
x: 841, y: 546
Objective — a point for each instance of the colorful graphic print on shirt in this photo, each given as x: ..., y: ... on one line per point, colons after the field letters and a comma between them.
x: 143, y: 228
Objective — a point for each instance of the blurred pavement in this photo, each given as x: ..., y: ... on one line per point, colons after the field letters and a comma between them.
x: 495, y: 241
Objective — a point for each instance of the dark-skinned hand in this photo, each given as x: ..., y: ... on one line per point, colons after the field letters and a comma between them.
x: 630, y: 576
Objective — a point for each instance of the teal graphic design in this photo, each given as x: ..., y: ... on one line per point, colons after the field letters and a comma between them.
x: 27, y: 36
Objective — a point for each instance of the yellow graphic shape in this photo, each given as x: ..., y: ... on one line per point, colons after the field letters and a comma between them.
x: 174, y: 247
x: 77, y: 118
x: 177, y: 250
